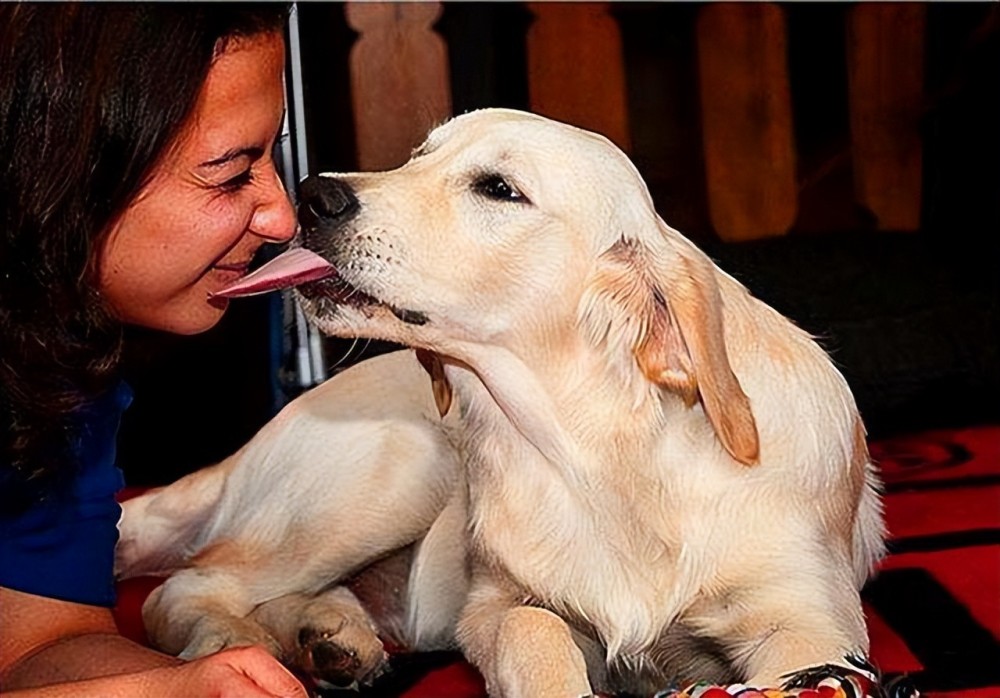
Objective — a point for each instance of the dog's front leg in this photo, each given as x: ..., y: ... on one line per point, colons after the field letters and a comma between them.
x: 794, y: 623
x: 520, y: 650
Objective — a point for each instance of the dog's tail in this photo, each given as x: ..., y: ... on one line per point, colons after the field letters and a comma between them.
x: 159, y: 529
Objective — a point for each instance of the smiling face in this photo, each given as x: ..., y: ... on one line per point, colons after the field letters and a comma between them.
x: 212, y: 201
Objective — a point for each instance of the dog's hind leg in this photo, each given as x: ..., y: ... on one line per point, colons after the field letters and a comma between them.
x: 438, y: 582
x: 329, y: 636
x: 199, y: 611
x: 159, y: 528
x: 205, y: 607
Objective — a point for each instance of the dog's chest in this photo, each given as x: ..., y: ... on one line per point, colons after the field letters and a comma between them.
x: 600, y: 552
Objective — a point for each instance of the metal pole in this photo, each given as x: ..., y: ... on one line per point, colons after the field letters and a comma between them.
x: 306, y: 342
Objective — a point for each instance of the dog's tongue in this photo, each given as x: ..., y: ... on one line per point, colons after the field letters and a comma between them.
x: 291, y: 268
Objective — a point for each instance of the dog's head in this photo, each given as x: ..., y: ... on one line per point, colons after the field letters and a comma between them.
x: 508, y: 229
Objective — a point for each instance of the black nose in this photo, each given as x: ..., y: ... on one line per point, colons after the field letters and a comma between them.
x: 325, y: 200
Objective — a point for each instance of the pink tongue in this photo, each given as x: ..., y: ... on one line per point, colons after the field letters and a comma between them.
x: 291, y: 268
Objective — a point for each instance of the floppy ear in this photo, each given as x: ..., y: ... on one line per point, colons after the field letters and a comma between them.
x: 670, y: 299
x: 439, y: 381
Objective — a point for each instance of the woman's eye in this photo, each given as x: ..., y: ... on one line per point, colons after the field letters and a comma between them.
x: 238, y: 182
x: 497, y: 188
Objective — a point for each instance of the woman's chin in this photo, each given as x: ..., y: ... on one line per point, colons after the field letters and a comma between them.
x: 182, y: 321
x: 204, y: 319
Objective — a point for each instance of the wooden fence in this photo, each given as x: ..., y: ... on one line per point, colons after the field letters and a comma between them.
x: 576, y: 73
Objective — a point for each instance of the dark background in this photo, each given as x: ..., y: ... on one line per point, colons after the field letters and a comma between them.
x: 912, y: 319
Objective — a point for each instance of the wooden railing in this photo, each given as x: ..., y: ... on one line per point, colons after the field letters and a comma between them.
x: 576, y: 73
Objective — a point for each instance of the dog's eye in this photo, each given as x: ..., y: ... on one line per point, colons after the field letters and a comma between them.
x: 496, y: 187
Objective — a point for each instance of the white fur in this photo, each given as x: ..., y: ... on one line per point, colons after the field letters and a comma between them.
x: 652, y: 459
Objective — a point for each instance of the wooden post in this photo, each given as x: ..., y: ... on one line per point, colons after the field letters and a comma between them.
x: 885, y: 71
x: 576, y: 68
x: 746, y: 120
x: 399, y: 79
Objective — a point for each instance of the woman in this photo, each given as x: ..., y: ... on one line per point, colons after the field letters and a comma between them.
x: 135, y: 179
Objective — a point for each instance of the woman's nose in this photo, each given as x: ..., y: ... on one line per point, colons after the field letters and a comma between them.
x: 274, y: 218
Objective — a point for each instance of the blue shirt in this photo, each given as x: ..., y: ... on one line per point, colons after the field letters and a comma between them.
x: 64, y: 546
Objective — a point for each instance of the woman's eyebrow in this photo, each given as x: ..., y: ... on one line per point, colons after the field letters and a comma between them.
x: 253, y: 152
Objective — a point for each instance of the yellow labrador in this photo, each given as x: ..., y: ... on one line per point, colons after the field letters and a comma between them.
x: 646, y: 475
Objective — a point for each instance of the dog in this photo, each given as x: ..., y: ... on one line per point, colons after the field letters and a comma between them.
x: 629, y: 471
x: 275, y: 545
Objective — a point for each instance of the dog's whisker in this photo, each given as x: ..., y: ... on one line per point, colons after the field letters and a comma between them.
x: 345, y: 354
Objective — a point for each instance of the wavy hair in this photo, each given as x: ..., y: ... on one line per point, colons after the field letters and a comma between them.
x: 91, y: 97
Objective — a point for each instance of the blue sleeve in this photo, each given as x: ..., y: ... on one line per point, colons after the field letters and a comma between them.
x: 63, y: 547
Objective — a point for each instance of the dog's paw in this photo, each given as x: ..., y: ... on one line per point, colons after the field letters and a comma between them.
x: 855, y: 677
x: 342, y: 658
x: 212, y: 634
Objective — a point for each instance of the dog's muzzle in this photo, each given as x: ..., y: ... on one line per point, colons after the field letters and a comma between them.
x: 326, y: 206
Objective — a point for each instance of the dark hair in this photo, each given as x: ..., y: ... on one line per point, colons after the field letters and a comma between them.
x: 91, y: 97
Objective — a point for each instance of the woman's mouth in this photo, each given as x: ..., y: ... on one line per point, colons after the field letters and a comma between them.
x: 237, y: 267
x: 224, y: 275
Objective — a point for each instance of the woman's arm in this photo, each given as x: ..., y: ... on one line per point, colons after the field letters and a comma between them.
x: 52, y: 648
x: 48, y: 641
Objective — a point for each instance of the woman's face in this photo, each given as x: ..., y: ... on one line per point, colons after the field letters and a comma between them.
x: 214, y: 199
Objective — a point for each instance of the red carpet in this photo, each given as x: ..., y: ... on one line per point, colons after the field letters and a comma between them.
x: 933, y: 611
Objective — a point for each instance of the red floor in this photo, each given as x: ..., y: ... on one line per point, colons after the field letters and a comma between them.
x: 934, y: 609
